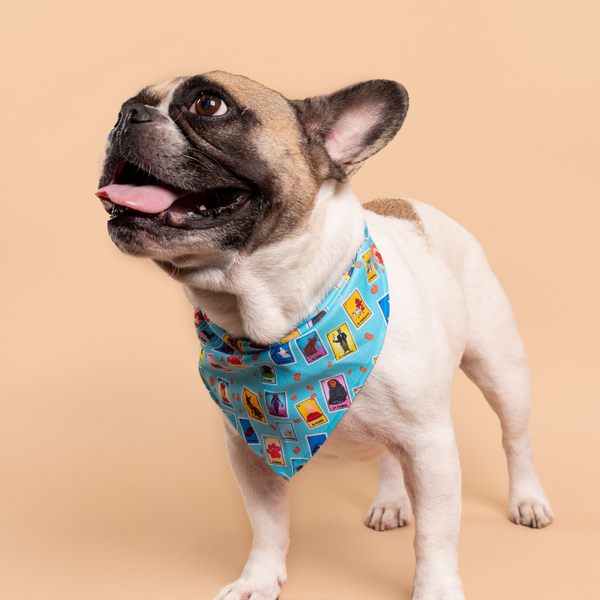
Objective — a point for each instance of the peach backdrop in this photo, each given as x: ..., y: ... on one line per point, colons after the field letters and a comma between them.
x: 114, y: 480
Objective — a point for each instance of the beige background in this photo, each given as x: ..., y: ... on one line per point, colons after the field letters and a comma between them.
x: 114, y: 482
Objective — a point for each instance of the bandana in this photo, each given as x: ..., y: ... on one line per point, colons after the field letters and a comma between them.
x: 284, y: 399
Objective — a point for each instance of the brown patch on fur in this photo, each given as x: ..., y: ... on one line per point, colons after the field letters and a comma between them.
x: 396, y: 207
x: 280, y: 138
x: 281, y: 143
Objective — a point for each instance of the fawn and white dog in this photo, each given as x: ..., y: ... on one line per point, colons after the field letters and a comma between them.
x: 243, y: 196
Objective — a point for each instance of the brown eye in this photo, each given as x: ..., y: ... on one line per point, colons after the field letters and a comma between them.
x: 210, y: 106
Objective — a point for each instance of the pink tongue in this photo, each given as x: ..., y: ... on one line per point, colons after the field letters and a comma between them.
x: 151, y: 199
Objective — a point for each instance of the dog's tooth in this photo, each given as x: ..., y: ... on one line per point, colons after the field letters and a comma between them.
x: 107, y: 204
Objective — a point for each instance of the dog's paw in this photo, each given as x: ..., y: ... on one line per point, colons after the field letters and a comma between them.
x: 531, y: 512
x: 388, y: 515
x: 244, y: 589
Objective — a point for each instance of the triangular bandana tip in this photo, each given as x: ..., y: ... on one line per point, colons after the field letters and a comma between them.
x: 285, y: 399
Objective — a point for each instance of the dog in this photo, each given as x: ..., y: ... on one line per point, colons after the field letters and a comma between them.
x: 244, y: 197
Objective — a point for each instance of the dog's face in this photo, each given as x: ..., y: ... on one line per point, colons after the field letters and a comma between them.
x: 216, y: 162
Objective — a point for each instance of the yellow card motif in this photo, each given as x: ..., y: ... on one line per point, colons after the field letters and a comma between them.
x: 311, y: 412
x: 371, y: 272
x: 341, y: 341
x: 201, y: 354
x: 356, y: 308
x: 290, y: 336
x: 273, y: 450
x: 252, y: 405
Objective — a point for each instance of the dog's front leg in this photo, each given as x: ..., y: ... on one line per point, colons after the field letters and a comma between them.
x: 267, y: 502
x: 429, y: 459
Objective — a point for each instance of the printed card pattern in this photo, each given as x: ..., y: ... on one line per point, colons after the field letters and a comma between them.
x: 285, y: 399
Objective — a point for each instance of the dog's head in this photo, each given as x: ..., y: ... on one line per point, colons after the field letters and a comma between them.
x: 218, y: 162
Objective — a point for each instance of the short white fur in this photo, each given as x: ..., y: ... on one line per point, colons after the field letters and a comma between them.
x: 447, y: 311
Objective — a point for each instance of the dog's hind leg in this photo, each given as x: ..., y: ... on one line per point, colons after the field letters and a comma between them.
x: 391, y: 506
x: 266, y: 497
x: 495, y: 361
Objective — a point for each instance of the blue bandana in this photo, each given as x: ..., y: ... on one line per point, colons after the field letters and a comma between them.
x: 286, y: 398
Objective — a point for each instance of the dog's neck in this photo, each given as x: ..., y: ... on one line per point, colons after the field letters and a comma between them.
x: 265, y: 294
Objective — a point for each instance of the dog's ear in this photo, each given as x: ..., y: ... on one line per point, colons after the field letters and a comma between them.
x: 354, y: 123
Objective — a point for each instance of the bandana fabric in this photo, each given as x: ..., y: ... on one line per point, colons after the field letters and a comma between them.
x: 286, y: 398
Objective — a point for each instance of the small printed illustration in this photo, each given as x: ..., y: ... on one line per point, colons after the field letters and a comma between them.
x: 225, y: 349
x: 336, y: 393
x: 257, y: 346
x: 276, y: 404
x: 341, y: 341
x: 287, y: 431
x: 376, y: 254
x: 223, y: 391
x: 371, y: 272
x: 215, y: 365
x: 349, y: 272
x: 375, y: 359
x: 311, y: 412
x: 320, y: 314
x: 298, y: 463
x: 356, y: 308
x: 236, y: 360
x: 355, y: 391
x: 290, y: 336
x: 346, y: 276
x: 207, y: 337
x: 248, y: 431
x: 268, y: 374
x: 199, y: 320
x: 315, y: 442
x: 231, y: 417
x: 233, y: 342
x: 273, y: 450
x: 201, y: 357
x: 384, y: 304
x: 282, y: 355
x: 311, y: 347
x: 253, y: 406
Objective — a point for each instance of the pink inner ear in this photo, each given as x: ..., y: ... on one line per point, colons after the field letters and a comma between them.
x: 345, y: 141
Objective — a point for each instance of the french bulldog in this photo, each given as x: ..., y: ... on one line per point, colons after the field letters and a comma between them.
x: 243, y: 196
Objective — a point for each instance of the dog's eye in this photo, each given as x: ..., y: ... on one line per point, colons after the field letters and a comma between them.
x: 209, y: 106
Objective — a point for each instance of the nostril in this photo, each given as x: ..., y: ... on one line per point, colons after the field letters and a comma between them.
x: 140, y: 114
x: 135, y: 112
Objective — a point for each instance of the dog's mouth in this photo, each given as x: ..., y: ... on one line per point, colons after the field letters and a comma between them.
x: 135, y: 194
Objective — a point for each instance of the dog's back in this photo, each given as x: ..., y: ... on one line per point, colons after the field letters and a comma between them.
x: 423, y: 225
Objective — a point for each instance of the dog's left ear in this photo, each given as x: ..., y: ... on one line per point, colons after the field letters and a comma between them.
x: 354, y: 123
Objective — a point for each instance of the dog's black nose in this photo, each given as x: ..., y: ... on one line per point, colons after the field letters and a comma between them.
x: 137, y: 113
x: 133, y: 113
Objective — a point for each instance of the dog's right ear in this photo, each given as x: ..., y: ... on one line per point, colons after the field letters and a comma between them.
x: 353, y: 123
